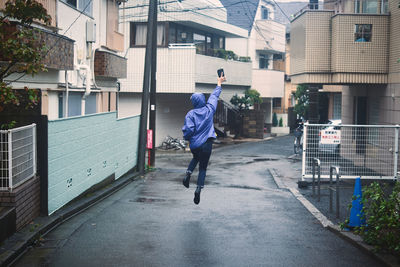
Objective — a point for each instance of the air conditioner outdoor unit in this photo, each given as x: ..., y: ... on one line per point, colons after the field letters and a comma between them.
x: 90, y: 31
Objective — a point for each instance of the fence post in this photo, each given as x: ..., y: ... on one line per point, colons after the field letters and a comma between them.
x: 10, y: 160
x: 34, y: 148
x: 396, y: 152
x: 304, y: 150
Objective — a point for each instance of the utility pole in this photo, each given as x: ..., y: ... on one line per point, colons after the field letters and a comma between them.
x: 146, y: 86
x: 153, y: 83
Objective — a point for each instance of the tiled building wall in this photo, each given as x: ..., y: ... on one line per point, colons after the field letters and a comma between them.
x: 318, y: 41
x: 83, y: 151
x: 394, y: 49
x: 108, y: 64
x: 26, y: 200
x: 297, y: 45
x: 365, y: 57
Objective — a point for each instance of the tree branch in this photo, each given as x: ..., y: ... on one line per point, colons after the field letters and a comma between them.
x: 4, y: 74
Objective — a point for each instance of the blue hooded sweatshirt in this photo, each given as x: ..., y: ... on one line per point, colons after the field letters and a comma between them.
x: 199, y: 124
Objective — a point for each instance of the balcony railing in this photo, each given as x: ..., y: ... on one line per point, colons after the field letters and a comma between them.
x: 17, y: 156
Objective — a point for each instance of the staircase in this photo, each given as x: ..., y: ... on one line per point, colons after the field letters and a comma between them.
x: 227, y: 119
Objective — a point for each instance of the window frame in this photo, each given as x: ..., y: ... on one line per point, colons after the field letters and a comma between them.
x: 76, y: 7
x: 363, y: 34
x: 132, y: 34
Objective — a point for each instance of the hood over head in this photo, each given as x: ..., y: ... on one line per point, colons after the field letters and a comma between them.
x: 198, y: 100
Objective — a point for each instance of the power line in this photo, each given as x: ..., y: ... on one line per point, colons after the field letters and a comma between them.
x: 282, y: 10
x: 59, y: 37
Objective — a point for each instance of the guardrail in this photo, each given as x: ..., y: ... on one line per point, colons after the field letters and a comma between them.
x: 336, y: 189
x: 17, y: 156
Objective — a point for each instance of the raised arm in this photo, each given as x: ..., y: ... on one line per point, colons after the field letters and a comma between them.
x: 213, y: 99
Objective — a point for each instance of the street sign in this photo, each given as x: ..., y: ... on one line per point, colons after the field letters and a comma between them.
x: 149, y: 139
x: 330, y: 137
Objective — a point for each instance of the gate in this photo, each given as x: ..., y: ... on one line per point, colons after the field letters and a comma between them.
x: 366, y: 151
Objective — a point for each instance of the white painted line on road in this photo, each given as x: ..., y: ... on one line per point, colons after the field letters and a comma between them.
x: 311, y: 208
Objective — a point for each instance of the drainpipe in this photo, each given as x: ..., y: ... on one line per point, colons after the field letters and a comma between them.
x: 66, y: 93
x: 87, y: 88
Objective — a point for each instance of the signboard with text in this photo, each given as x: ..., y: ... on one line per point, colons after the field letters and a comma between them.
x: 149, y: 139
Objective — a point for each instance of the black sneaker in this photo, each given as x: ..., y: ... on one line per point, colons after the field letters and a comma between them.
x: 196, y: 199
x: 186, y: 180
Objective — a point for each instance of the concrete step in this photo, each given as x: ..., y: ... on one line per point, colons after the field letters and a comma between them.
x: 7, y: 222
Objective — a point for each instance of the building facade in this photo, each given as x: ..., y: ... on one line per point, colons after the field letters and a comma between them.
x: 191, y: 46
x: 353, y: 44
x: 265, y: 46
x: 83, y: 62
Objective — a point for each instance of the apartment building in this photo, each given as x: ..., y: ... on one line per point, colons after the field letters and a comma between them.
x: 354, y: 44
x: 265, y: 46
x: 191, y: 38
x: 83, y: 62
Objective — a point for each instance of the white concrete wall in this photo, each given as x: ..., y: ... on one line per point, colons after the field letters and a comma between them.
x: 236, y: 72
x: 175, y: 70
x: 178, y: 69
x: 238, y: 45
x: 269, y: 83
x: 129, y: 104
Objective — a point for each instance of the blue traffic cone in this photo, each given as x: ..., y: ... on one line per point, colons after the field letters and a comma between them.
x: 356, y: 214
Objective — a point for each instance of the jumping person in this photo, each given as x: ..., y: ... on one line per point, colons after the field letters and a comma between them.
x: 199, y: 131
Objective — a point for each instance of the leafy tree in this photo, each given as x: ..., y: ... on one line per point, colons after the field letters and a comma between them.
x: 21, y: 50
x: 251, y: 97
x: 302, y: 101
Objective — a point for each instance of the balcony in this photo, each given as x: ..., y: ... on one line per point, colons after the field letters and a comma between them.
x: 325, y: 48
x: 270, y: 36
x: 108, y: 64
x: 61, y: 49
x: 269, y: 83
x: 179, y: 68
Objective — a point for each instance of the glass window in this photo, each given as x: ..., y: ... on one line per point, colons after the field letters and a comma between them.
x: 264, y: 13
x: 200, y: 42
x: 363, y: 32
x: 139, y: 34
x: 172, y: 34
x: 184, y: 35
x: 366, y: 6
x: 86, y: 6
x: 82, y: 5
x: 276, y: 102
x: 263, y: 62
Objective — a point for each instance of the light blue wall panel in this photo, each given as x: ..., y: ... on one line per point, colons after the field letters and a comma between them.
x: 85, y: 150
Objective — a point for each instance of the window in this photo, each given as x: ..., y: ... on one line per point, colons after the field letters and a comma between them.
x: 139, y: 34
x: 363, y: 32
x: 276, y: 102
x: 199, y: 42
x: 263, y: 62
x: 264, y: 13
x: 82, y: 5
x: 366, y: 6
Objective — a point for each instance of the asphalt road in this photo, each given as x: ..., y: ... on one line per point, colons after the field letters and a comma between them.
x: 243, y: 220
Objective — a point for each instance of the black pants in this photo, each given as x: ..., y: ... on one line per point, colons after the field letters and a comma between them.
x: 201, y: 154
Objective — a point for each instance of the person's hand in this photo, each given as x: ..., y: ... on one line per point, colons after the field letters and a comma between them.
x: 221, y: 80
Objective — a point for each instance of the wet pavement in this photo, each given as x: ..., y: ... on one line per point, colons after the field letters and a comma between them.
x: 243, y: 219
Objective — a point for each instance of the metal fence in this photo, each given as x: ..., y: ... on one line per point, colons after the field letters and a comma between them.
x: 366, y: 151
x: 17, y: 156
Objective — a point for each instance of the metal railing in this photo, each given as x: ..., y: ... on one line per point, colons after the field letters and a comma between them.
x: 366, y: 151
x: 17, y: 156
x: 336, y: 189
x: 318, y: 163
x: 228, y: 117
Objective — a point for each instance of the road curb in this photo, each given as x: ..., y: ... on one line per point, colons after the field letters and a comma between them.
x: 355, y: 240
x: 16, y: 245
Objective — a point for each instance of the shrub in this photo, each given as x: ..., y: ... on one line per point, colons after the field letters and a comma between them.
x: 274, y: 120
x: 280, y: 122
x: 382, y: 214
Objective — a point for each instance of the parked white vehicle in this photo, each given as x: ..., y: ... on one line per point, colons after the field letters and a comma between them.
x: 329, y: 137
